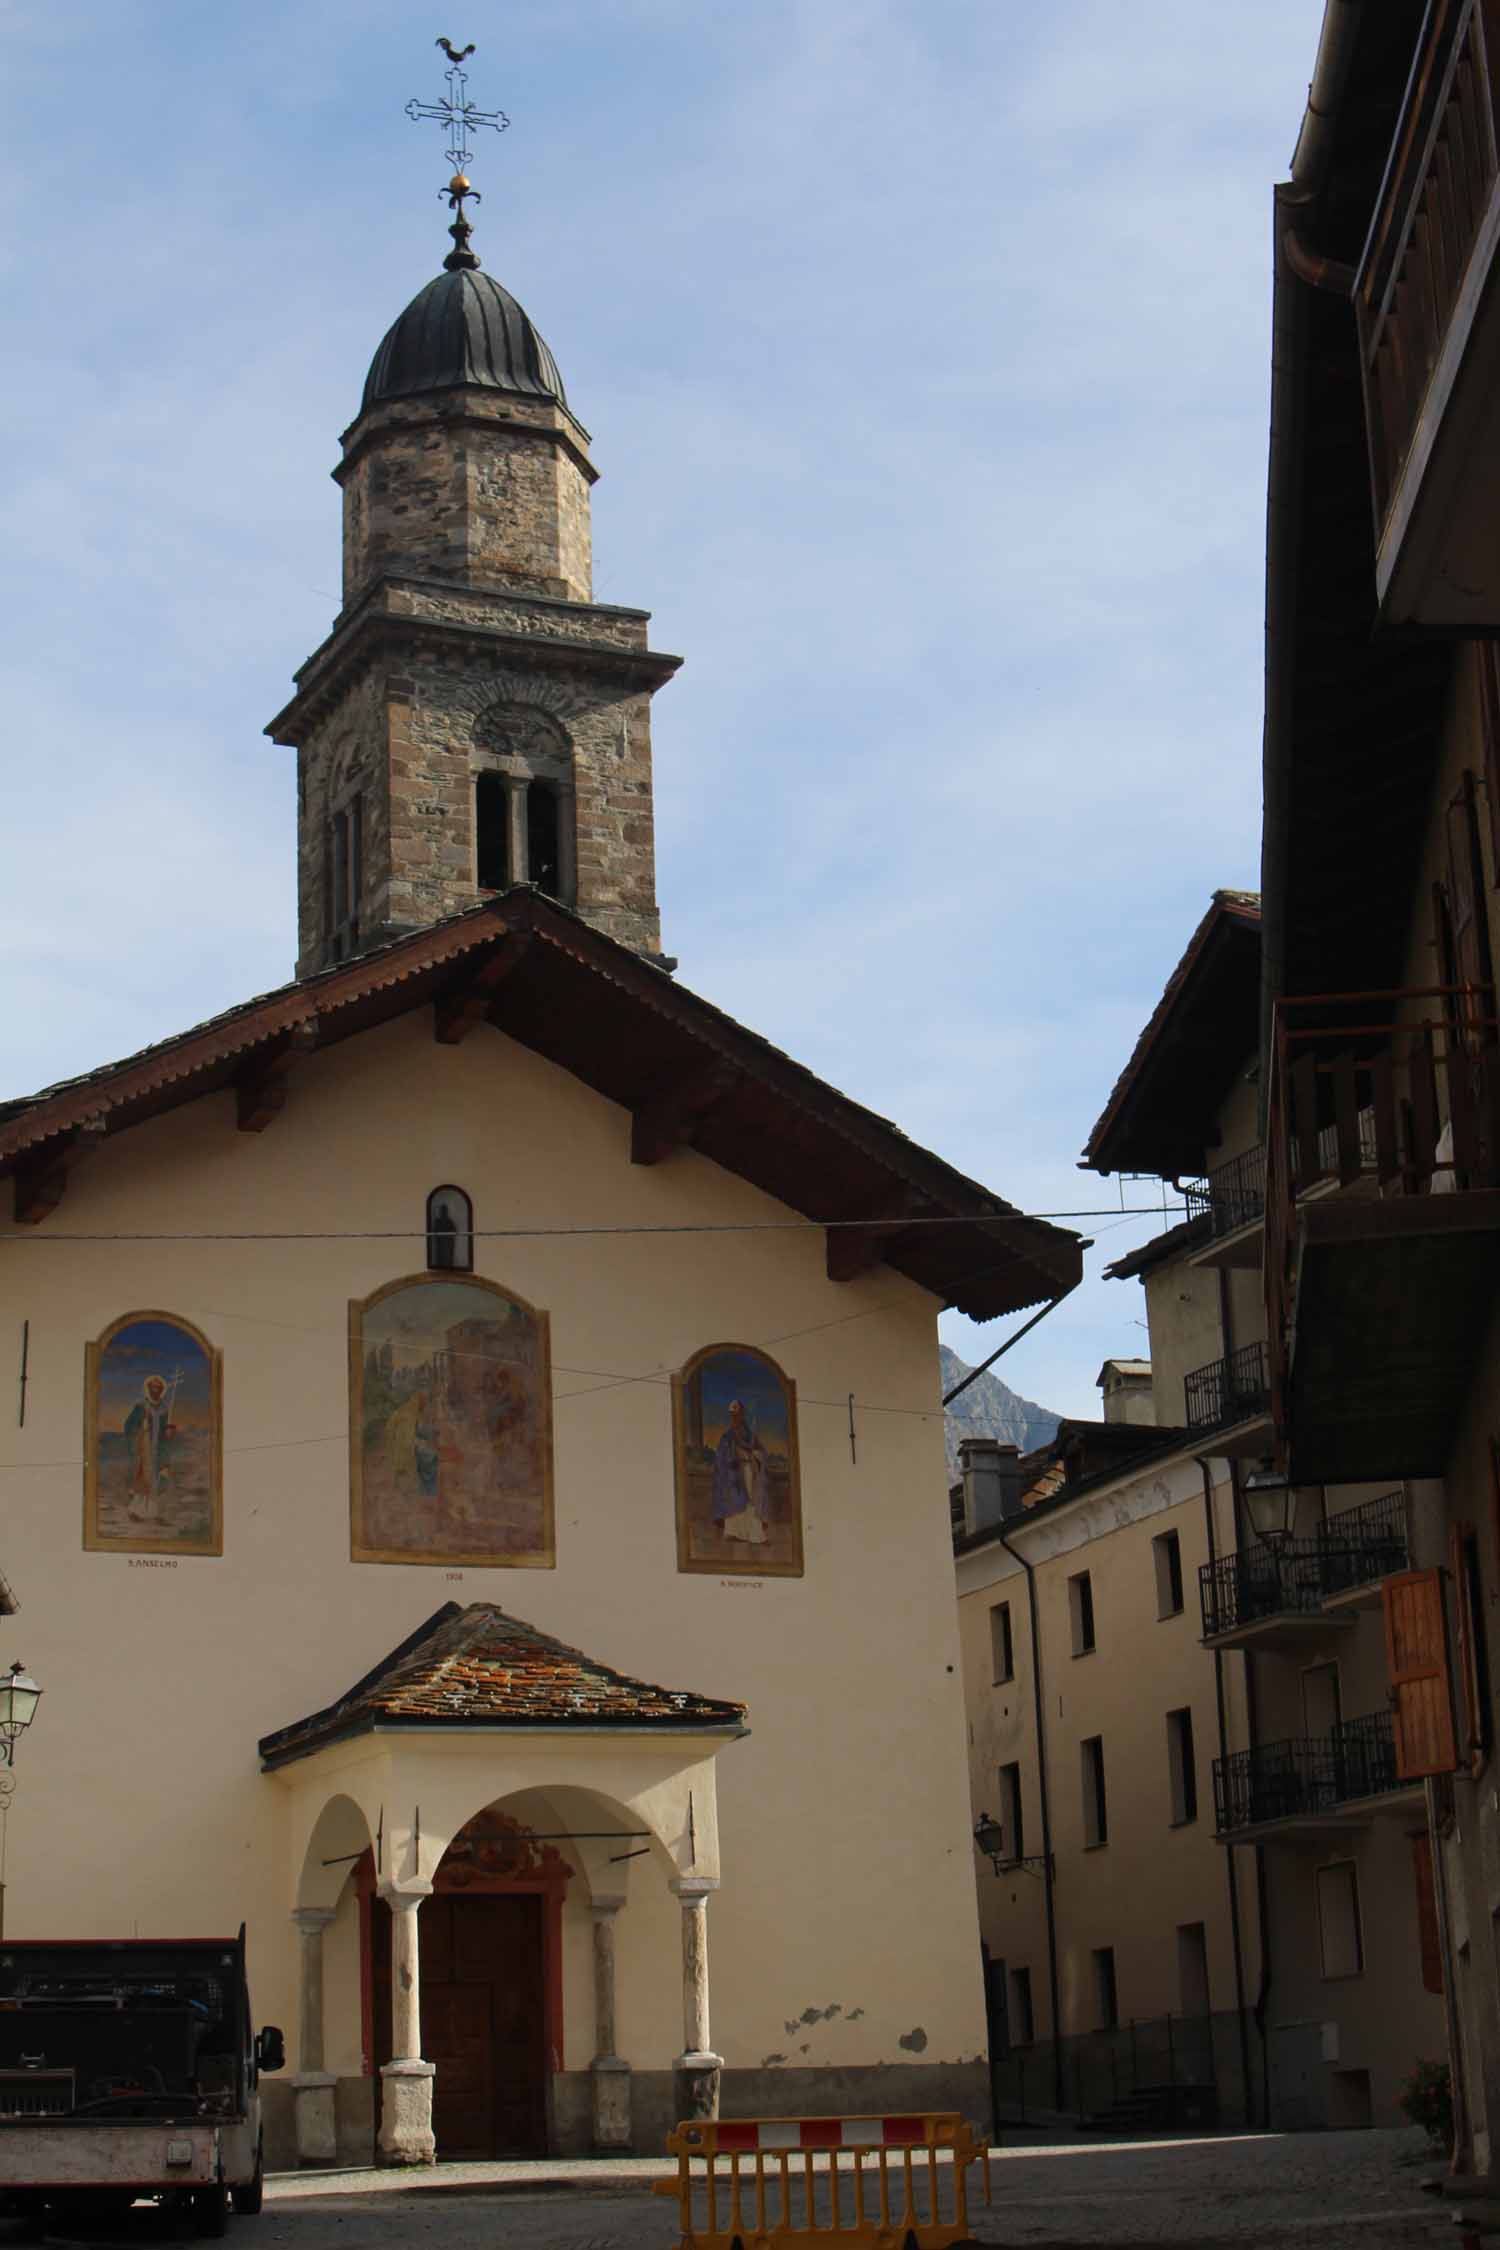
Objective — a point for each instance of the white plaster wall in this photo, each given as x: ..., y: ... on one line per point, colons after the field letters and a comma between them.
x: 844, y: 1816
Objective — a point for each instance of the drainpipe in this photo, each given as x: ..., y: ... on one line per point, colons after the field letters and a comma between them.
x: 1041, y: 1771
x: 1458, y: 2075
x: 1241, y: 2019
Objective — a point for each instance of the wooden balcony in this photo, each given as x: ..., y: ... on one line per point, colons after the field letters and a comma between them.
x: 1382, y: 1217
x: 1428, y: 312
x: 1312, y: 1785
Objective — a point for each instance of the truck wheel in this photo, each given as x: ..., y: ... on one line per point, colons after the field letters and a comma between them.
x: 210, y: 2212
x: 248, y: 2197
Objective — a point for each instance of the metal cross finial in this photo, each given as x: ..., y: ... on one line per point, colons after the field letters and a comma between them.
x: 459, y: 116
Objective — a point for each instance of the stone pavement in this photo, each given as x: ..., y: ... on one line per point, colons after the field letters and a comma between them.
x: 1309, y: 2191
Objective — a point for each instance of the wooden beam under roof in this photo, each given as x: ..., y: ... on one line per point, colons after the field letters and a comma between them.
x: 456, y: 1012
x: 670, y: 1120
x: 260, y: 1089
x: 41, y: 1179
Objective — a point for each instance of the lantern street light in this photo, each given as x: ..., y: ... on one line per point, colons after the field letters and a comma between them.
x: 19, y: 1697
x: 990, y: 1837
x: 1271, y: 1503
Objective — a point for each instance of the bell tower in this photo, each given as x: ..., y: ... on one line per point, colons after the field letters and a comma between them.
x: 474, y: 719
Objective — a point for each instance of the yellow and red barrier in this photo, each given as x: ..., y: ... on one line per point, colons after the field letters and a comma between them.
x: 799, y: 2183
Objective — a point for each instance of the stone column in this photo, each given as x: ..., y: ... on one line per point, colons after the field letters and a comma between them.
x: 567, y: 844
x: 406, y: 2089
x: 517, y: 851
x: 312, y: 2085
x: 698, y: 2068
x: 611, y: 2076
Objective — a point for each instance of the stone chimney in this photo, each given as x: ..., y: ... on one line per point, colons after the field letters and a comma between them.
x: 1128, y: 1396
x: 991, y: 1474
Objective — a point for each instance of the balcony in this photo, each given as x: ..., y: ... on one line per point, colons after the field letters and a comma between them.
x: 1233, y: 1200
x: 1382, y: 1213
x: 1312, y: 1785
x: 1428, y: 314
x: 1298, y: 1594
x: 1230, y: 1395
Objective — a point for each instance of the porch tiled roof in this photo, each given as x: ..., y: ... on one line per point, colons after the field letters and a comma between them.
x: 478, y: 1667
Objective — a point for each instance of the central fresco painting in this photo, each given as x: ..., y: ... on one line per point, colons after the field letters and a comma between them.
x: 450, y: 1441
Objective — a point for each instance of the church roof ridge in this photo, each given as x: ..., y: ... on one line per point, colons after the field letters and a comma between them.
x: 615, y: 1019
x: 477, y: 1666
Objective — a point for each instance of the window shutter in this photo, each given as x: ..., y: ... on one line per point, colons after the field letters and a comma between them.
x: 1427, y: 1921
x: 1416, y: 1642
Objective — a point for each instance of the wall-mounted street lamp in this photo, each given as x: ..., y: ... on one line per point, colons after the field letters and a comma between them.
x: 19, y: 1697
x: 990, y: 1837
x: 1271, y: 1504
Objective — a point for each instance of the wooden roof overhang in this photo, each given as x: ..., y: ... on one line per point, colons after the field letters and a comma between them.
x: 1353, y: 715
x: 571, y: 638
x: 1161, y: 1116
x: 689, y: 1075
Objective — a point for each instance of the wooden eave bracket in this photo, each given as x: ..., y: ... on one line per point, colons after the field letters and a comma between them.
x: 41, y: 1175
x: 457, y: 1011
x: 260, y: 1089
x: 853, y: 1250
x: 672, y: 1120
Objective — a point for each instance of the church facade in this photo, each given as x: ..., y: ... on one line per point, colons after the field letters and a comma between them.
x: 479, y: 1513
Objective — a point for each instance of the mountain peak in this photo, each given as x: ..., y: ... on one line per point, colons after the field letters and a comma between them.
x: 989, y: 1408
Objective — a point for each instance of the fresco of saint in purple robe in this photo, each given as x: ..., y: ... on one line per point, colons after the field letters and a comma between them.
x: 738, y: 1503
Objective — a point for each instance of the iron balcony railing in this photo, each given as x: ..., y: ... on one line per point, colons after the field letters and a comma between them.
x: 1360, y: 1546
x: 1356, y: 1547
x: 1228, y: 1390
x: 1233, y: 1195
x: 1306, y: 1776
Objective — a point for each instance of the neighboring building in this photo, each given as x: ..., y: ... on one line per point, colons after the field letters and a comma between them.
x: 1380, y: 867
x: 455, y: 1281
x: 1266, y: 1863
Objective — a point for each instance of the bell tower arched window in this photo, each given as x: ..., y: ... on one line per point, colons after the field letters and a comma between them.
x: 543, y: 866
x: 450, y: 1231
x: 491, y: 831
x: 523, y: 803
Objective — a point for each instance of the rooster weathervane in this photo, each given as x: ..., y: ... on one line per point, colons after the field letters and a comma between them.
x: 458, y: 116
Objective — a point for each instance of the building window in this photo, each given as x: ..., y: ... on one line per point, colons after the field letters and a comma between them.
x: 1002, y: 1647
x: 543, y: 866
x: 1192, y: 1969
x: 1022, y: 2018
x: 1081, y: 1612
x: 1182, y: 1767
x: 1166, y: 1553
x: 1095, y: 1810
x: 1106, y: 1991
x: 1012, y: 1820
x: 1338, y: 1920
x: 450, y: 1231
x: 346, y: 877
x: 492, y: 871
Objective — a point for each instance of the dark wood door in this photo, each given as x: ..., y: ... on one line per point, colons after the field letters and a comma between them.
x: 483, y: 2020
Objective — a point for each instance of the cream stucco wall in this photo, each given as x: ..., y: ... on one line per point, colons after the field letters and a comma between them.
x: 847, y: 1885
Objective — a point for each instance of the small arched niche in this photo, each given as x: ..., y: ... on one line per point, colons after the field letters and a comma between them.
x: 450, y: 1231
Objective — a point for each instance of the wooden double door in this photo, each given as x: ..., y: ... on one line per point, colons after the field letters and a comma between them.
x: 483, y: 2020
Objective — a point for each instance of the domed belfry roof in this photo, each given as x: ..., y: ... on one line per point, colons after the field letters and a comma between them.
x: 462, y: 329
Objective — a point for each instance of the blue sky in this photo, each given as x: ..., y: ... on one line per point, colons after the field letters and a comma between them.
x: 925, y: 348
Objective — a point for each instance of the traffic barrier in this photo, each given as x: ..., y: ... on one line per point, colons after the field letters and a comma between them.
x: 763, y: 2181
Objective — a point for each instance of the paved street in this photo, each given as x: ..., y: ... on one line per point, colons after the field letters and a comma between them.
x: 1314, y: 2191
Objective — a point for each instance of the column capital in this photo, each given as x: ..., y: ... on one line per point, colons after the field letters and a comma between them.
x: 311, y: 1919
x: 405, y: 1892
x: 605, y: 1909
x: 694, y: 1890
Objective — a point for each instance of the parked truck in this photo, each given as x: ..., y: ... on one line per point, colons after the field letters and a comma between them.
x: 129, y: 2069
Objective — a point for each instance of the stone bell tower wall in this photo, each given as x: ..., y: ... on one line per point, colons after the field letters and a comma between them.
x: 491, y: 489
x: 452, y: 691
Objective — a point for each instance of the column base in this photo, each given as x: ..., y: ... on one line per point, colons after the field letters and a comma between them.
x: 611, y: 2079
x: 406, y: 2114
x: 313, y: 2118
x: 695, y: 2082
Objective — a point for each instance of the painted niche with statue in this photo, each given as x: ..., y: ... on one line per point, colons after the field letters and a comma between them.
x: 152, y: 1446
x: 450, y: 1428
x: 739, y: 1500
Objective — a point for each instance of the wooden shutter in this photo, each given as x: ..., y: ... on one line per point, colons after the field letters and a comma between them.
x: 1416, y: 1643
x: 1471, y: 937
x: 1489, y: 721
x: 1427, y: 1921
